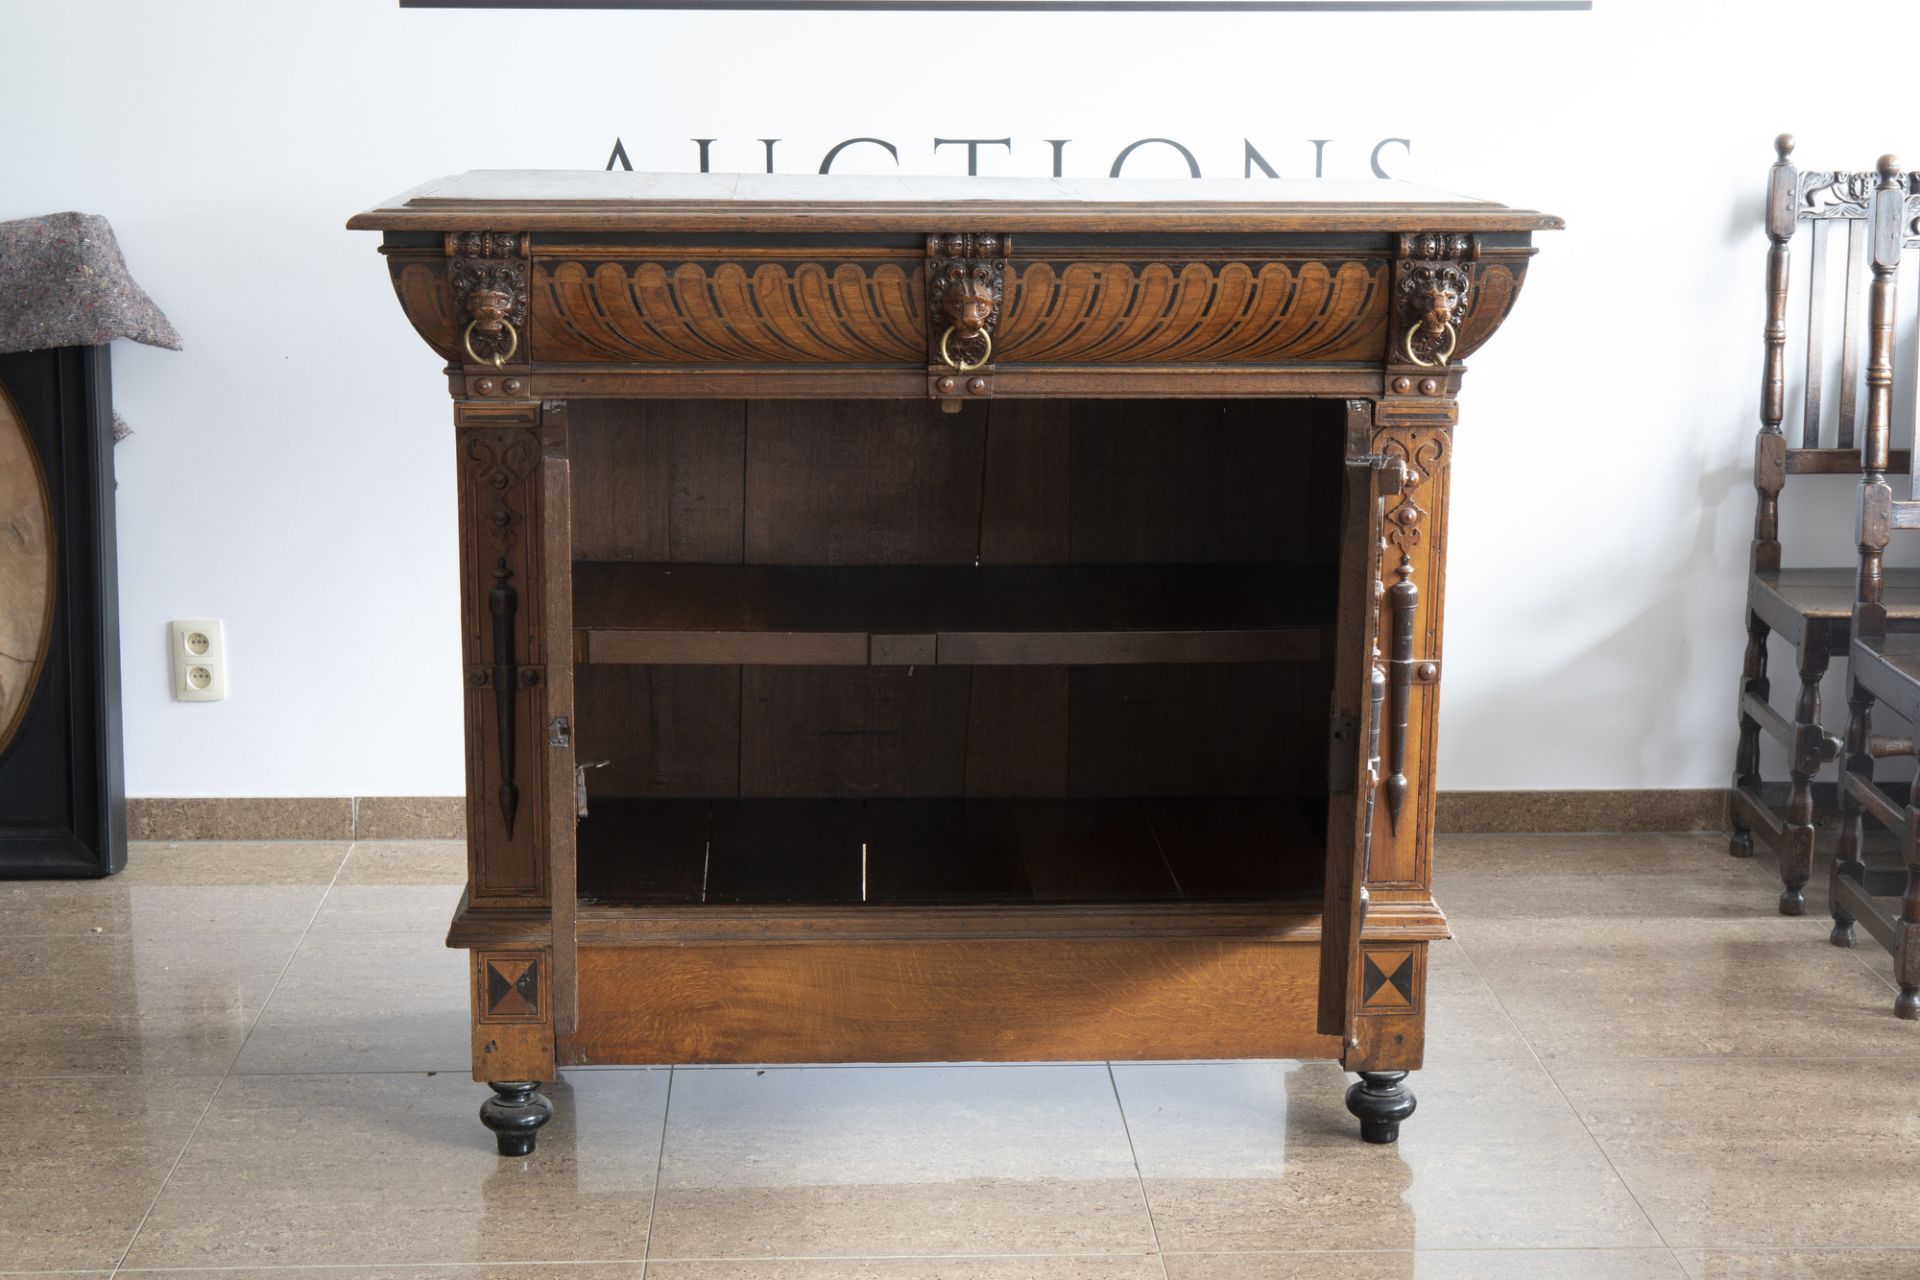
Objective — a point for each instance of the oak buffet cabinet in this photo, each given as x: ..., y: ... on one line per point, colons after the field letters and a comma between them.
x: 949, y: 620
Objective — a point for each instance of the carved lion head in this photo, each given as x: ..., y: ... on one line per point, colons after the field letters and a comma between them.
x: 489, y: 308
x: 1438, y: 303
x: 967, y: 299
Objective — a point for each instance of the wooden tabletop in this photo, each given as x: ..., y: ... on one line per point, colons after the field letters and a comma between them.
x: 619, y: 200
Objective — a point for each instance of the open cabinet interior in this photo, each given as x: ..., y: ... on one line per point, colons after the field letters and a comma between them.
x: 847, y: 652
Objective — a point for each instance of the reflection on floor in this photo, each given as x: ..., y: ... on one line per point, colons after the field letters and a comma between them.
x: 246, y: 1057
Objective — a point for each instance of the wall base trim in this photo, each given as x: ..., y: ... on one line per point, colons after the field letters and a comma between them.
x: 1702, y: 809
x: 297, y: 818
x: 445, y: 817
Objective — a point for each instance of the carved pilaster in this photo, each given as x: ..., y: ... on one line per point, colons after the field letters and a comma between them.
x: 1432, y: 283
x: 487, y: 271
x: 1419, y: 434
x: 502, y: 598
x: 502, y: 465
x: 966, y: 280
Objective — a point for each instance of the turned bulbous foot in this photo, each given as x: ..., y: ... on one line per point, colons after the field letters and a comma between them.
x: 1841, y: 935
x: 1792, y: 902
x: 1907, y: 1003
x: 515, y: 1114
x: 1381, y: 1100
x: 1740, y: 844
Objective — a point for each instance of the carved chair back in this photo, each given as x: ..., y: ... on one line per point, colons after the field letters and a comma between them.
x: 1836, y: 206
x: 1892, y: 226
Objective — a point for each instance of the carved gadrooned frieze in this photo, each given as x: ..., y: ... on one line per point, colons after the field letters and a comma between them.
x: 488, y: 273
x: 966, y: 284
x: 1433, y: 283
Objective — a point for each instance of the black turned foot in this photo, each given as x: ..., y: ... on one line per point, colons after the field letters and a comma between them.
x: 515, y: 1113
x: 1740, y: 844
x: 1842, y: 932
x: 1907, y: 1003
x: 1792, y: 901
x: 1381, y: 1100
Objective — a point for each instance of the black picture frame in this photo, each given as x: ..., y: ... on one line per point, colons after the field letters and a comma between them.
x: 62, y: 782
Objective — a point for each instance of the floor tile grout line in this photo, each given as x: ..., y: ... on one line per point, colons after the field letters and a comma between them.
x: 1579, y: 1119
x: 1864, y: 963
x: 1517, y: 1250
x: 227, y: 1075
x: 659, y: 1163
x: 1768, y: 871
x: 1146, y: 1201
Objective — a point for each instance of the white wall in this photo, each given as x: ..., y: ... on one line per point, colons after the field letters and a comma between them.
x: 292, y: 470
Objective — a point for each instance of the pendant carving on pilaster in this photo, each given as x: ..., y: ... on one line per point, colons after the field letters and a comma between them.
x: 966, y: 282
x: 500, y: 464
x: 1433, y: 281
x: 488, y: 274
x: 1403, y: 528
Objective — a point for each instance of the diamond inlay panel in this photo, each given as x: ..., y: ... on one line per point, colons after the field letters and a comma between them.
x: 513, y: 985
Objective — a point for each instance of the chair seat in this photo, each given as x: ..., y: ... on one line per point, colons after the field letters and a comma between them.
x: 1786, y: 598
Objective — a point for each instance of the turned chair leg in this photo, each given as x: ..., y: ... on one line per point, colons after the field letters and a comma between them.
x: 515, y: 1114
x: 1746, y: 757
x: 1809, y: 744
x: 1848, y: 855
x: 1381, y: 1100
x: 1906, y: 960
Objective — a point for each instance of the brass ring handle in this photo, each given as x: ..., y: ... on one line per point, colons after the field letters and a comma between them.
x: 500, y: 358
x: 1439, y: 361
x: 958, y: 366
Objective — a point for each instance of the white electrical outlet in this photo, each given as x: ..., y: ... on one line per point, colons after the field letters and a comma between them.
x: 199, y: 660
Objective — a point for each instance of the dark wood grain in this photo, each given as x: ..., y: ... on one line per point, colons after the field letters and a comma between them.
x: 853, y: 731
x: 947, y: 852
x: 1033, y: 615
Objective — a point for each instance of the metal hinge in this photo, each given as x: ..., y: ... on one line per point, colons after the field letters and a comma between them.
x: 1340, y: 755
x: 580, y: 785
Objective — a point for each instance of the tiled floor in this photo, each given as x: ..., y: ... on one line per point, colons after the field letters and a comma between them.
x: 240, y: 1058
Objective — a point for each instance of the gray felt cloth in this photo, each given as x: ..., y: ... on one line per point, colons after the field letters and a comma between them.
x: 63, y: 283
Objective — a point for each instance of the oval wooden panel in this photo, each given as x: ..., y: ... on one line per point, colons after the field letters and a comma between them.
x: 26, y: 570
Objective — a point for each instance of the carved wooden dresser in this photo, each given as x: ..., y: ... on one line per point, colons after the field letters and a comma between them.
x: 949, y: 620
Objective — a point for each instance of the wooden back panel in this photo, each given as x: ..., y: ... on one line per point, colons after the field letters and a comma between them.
x: 1005, y: 482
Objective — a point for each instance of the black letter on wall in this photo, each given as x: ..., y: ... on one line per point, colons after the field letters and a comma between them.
x: 826, y: 162
x: 1193, y: 166
x: 973, y: 146
x: 1378, y: 172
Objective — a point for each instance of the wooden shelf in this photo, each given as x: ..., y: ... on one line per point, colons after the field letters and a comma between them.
x: 728, y: 614
x: 879, y: 854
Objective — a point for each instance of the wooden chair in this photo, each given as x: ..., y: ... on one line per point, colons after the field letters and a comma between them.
x: 1883, y: 662
x: 1810, y: 607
